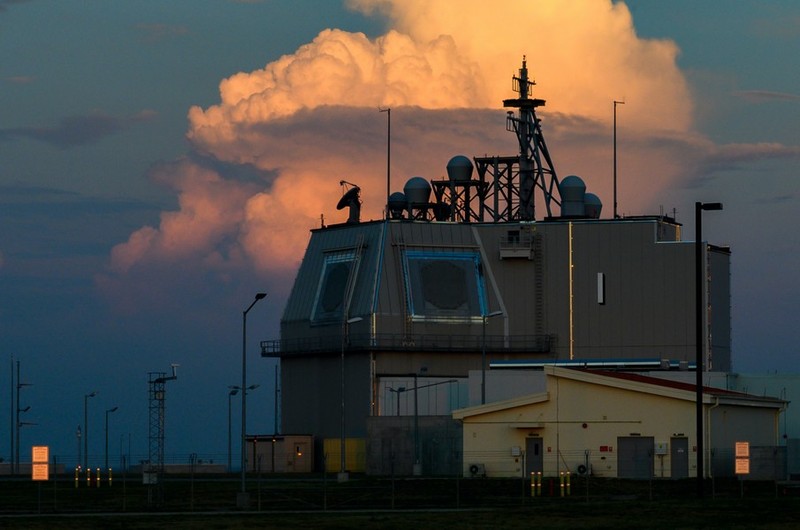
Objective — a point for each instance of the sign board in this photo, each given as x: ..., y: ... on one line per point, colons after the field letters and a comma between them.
x: 40, y: 472
x: 742, y: 466
x: 40, y: 458
x: 742, y: 449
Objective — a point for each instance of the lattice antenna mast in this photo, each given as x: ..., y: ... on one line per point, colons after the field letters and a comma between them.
x: 535, y: 165
x: 157, y: 401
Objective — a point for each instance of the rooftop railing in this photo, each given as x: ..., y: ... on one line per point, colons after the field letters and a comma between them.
x: 411, y: 342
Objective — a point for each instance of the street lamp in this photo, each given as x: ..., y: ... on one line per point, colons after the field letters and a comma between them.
x: 398, y: 391
x: 234, y: 389
x: 232, y: 392
x: 20, y: 386
x: 342, y: 477
x: 243, y: 499
x: 109, y: 411
x: 483, y: 354
x: 417, y: 468
x: 78, y: 435
x: 19, y: 424
x: 86, y: 428
x: 699, y: 330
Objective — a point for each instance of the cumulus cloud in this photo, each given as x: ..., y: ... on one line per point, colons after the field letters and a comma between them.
x: 584, y: 54
x: 211, y: 210
x: 310, y: 119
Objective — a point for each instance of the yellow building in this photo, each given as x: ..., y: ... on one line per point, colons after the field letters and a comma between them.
x: 615, y: 424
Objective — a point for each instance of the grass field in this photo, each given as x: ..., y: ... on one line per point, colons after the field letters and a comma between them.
x: 314, y: 502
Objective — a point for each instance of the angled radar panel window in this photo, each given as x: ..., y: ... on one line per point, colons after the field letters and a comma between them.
x: 332, y: 290
x: 444, y: 286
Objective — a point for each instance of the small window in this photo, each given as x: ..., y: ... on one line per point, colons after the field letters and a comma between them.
x: 332, y: 289
x: 601, y: 288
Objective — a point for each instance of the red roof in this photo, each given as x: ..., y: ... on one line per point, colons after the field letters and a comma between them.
x: 666, y: 383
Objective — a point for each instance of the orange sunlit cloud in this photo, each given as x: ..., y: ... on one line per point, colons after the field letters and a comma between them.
x: 310, y: 119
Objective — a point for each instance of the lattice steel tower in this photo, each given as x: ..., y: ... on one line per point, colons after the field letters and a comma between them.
x: 505, y: 189
x: 157, y: 394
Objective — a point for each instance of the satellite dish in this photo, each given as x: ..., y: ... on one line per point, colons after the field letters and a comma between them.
x: 350, y: 199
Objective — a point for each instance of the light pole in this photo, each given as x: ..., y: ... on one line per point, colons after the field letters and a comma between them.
x: 700, y: 334
x: 615, y: 155
x: 234, y: 389
x: 19, y: 425
x: 20, y: 385
x: 78, y: 436
x: 86, y: 427
x: 483, y: 354
x: 109, y: 411
x: 398, y: 391
x: 259, y: 296
x: 343, y: 476
x: 231, y: 392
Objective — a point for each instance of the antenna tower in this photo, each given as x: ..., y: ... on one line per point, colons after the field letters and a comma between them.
x: 506, y: 185
x: 157, y: 394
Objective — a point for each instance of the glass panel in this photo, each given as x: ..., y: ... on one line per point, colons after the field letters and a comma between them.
x: 329, y: 302
x: 445, y: 285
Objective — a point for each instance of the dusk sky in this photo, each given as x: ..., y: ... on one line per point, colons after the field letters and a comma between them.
x: 161, y: 162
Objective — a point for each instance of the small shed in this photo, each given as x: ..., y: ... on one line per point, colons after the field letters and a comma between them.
x: 279, y: 453
x: 618, y: 424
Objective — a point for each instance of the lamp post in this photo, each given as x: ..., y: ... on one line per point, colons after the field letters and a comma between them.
x: 20, y: 386
x: 86, y: 427
x: 259, y: 296
x: 234, y: 390
x: 342, y: 477
x: 109, y: 411
x: 700, y: 337
x: 615, y: 155
x: 231, y: 392
x: 398, y: 391
x: 483, y: 354
x: 19, y: 425
x: 78, y: 436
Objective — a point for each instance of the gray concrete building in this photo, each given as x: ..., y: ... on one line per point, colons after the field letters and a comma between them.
x: 387, y: 318
x: 386, y: 305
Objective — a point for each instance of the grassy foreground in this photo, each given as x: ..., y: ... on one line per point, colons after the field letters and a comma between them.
x: 314, y: 502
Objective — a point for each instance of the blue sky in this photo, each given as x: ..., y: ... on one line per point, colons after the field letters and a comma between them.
x: 134, y: 231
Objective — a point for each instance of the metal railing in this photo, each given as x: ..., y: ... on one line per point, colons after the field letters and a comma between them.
x: 413, y: 342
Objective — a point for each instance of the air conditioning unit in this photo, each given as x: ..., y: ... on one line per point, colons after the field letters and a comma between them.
x: 477, y: 470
